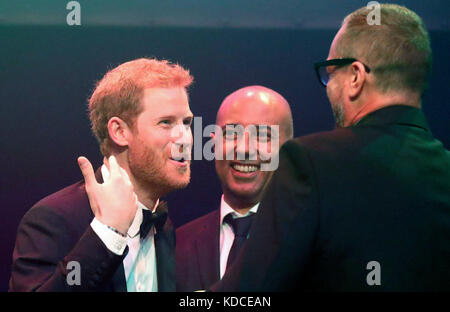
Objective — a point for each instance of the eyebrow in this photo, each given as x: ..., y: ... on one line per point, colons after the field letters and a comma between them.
x: 191, y: 116
x: 263, y: 126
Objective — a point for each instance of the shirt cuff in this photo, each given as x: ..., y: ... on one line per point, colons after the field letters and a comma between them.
x: 113, y: 241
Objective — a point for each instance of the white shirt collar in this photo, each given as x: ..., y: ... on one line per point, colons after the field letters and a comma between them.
x: 226, y: 209
x: 136, y: 224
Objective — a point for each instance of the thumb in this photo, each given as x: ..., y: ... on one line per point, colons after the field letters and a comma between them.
x: 87, y: 171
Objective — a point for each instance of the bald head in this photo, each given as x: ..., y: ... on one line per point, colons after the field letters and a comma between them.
x: 257, y: 105
x: 244, y: 179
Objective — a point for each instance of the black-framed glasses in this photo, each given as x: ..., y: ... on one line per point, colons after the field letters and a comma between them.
x: 321, y: 68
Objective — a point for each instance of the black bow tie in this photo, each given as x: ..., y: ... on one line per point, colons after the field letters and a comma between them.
x: 157, y: 218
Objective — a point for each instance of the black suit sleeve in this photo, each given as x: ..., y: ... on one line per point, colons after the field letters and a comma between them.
x: 44, y: 248
x: 283, y: 234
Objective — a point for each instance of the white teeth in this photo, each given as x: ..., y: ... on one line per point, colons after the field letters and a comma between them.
x: 245, y: 168
x: 181, y: 160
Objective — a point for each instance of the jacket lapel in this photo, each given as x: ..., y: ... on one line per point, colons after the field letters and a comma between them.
x: 118, y: 280
x: 207, y: 247
x: 165, y: 253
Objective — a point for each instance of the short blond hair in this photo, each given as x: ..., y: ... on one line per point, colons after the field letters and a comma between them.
x: 120, y: 91
x: 398, y: 50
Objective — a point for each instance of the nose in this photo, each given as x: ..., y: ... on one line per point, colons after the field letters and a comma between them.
x: 246, y: 145
x: 181, y: 141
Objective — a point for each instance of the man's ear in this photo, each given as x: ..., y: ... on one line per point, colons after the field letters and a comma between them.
x: 358, y: 79
x: 118, y: 131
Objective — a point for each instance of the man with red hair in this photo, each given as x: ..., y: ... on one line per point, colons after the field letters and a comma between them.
x: 110, y: 232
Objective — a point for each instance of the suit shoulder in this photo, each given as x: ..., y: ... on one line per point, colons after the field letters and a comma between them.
x: 333, y: 137
x: 327, y: 142
x: 66, y: 202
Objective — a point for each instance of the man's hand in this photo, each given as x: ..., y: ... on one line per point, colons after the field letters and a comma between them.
x: 114, y: 202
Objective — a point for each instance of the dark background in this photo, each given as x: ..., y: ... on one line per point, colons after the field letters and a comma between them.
x: 48, y: 70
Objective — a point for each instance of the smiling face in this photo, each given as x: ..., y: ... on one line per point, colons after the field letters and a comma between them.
x: 243, y: 181
x: 163, y: 125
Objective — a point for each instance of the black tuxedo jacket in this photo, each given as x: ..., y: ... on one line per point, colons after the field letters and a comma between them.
x: 377, y: 191
x: 56, y: 231
x: 197, y: 253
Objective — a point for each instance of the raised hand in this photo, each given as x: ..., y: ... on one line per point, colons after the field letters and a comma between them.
x: 114, y: 202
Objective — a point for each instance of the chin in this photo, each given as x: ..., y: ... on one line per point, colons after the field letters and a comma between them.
x: 243, y: 192
x: 181, y: 185
x: 180, y: 182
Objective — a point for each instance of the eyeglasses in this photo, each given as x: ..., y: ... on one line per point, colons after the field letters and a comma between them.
x: 324, y: 75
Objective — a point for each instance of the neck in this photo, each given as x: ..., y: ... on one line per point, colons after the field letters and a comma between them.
x: 147, y: 198
x: 238, y: 204
x: 377, y: 101
x: 143, y: 193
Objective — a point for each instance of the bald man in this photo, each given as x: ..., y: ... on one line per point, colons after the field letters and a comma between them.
x: 208, y: 245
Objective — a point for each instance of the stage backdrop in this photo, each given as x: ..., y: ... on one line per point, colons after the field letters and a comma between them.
x: 48, y: 72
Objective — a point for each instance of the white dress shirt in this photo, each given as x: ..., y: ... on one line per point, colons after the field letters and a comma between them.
x: 226, y: 232
x: 140, y: 262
